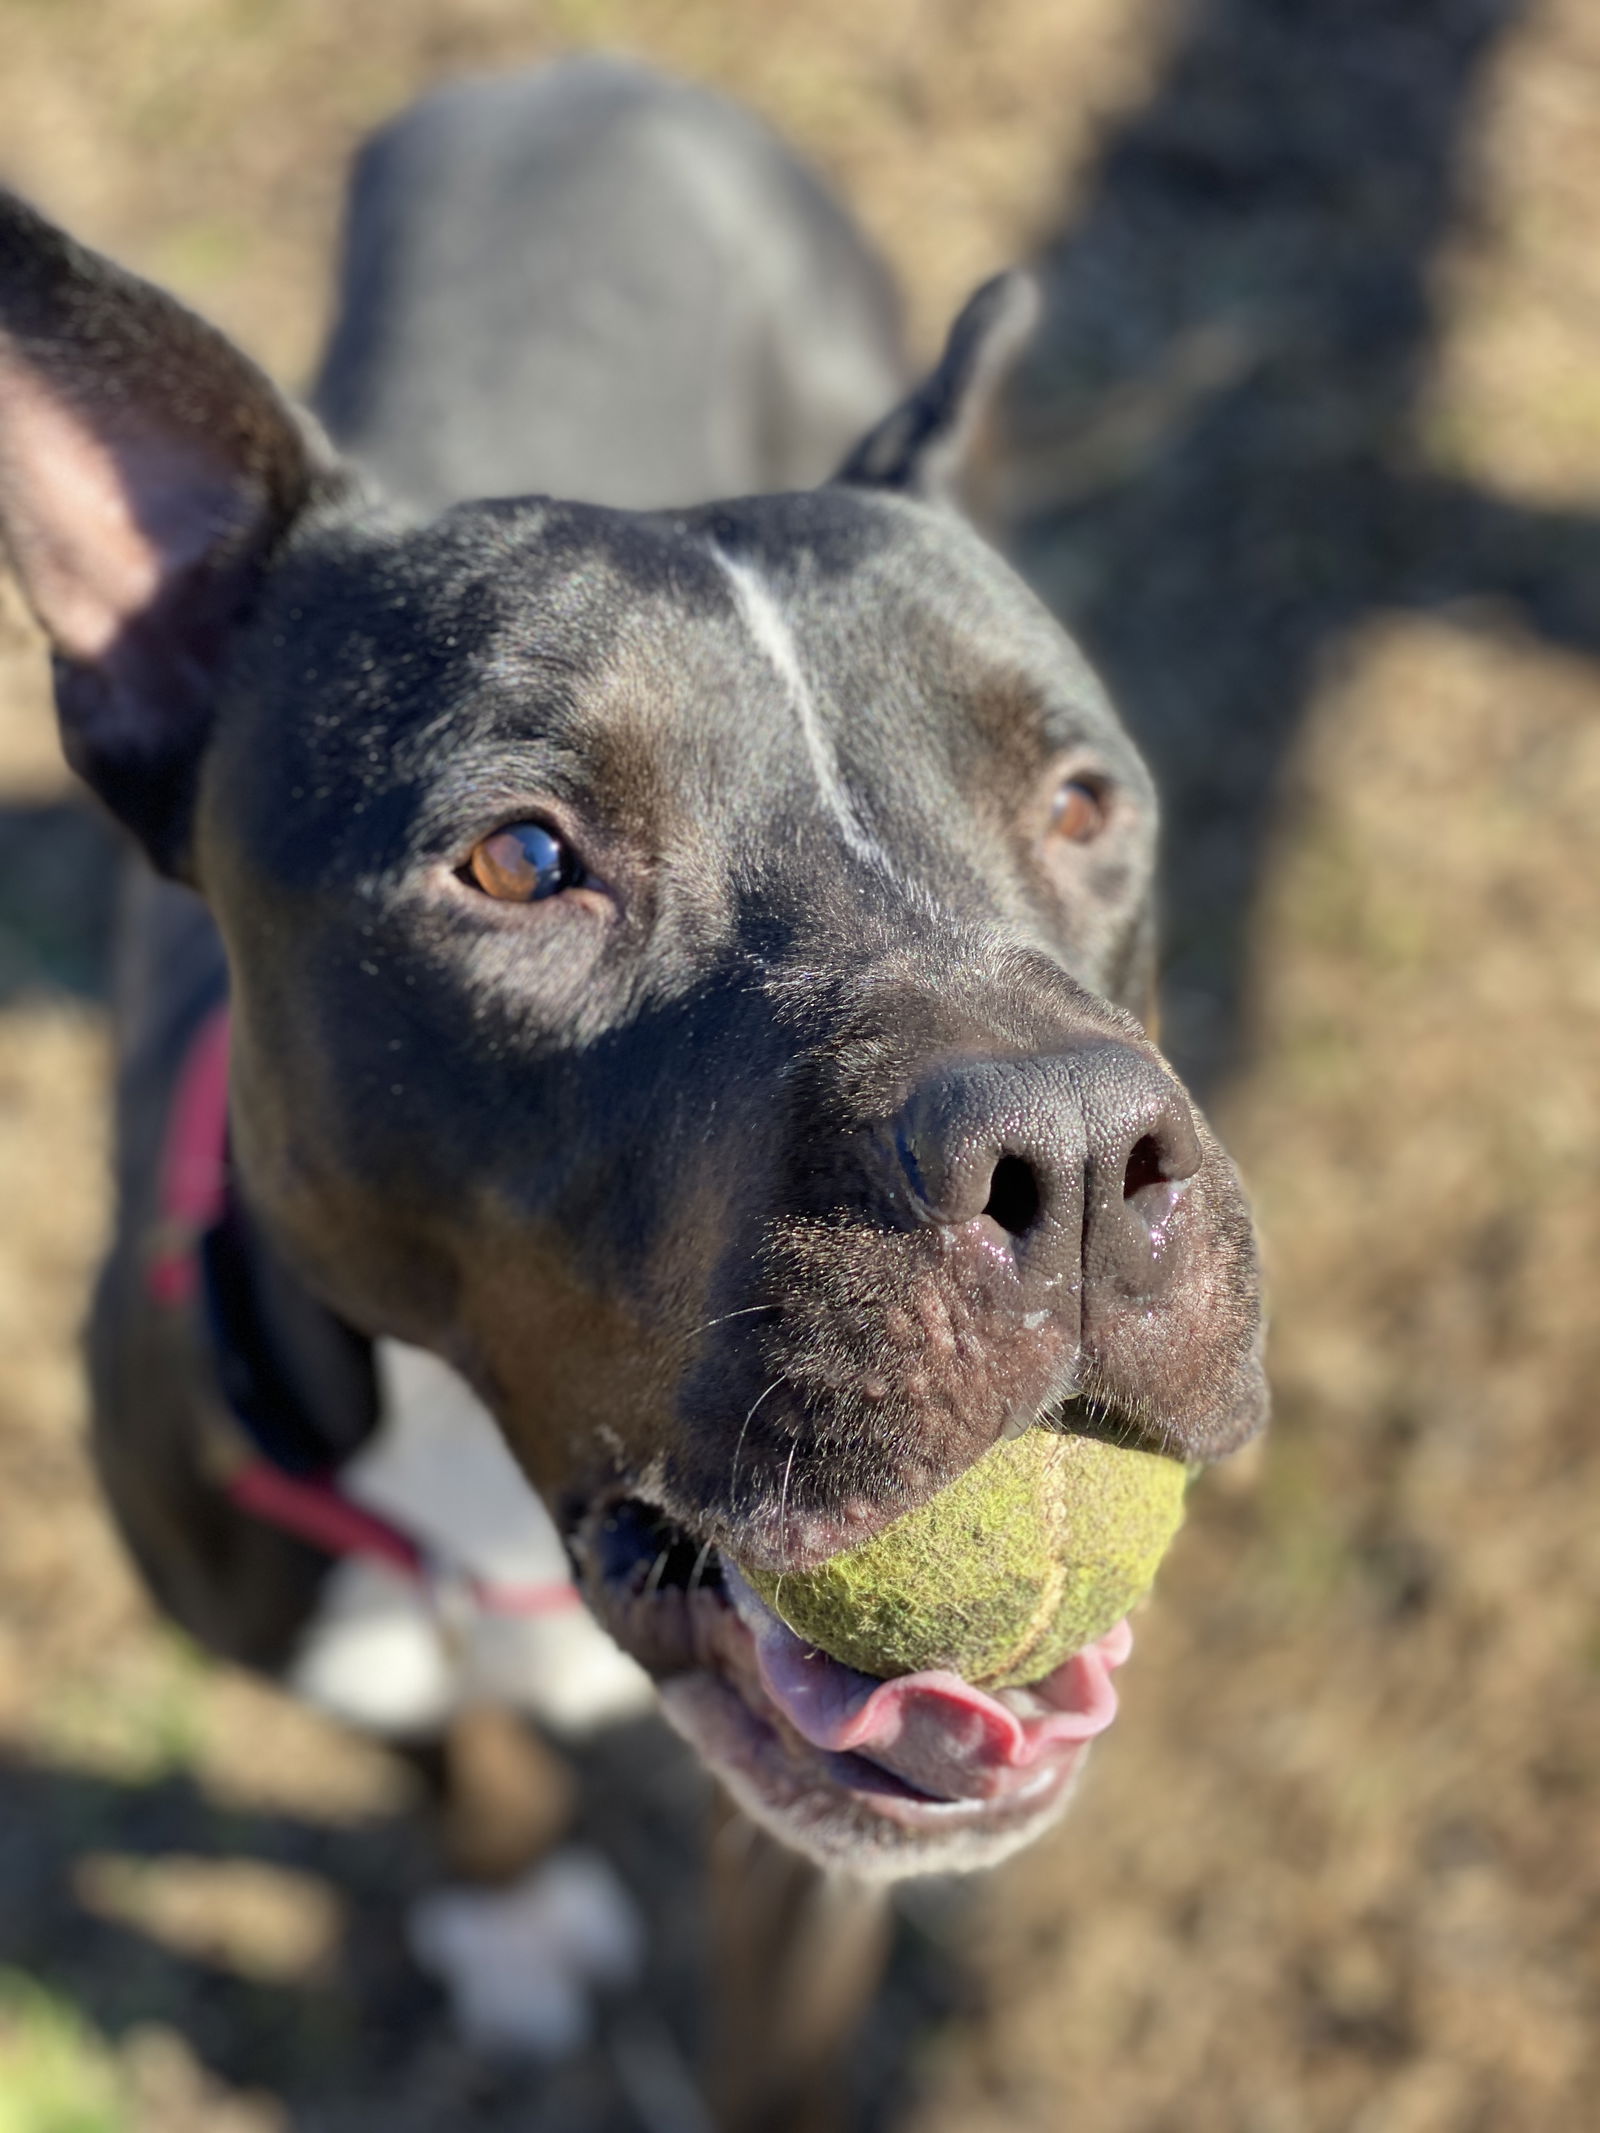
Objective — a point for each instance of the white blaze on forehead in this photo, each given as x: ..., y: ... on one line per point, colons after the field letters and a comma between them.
x: 763, y: 618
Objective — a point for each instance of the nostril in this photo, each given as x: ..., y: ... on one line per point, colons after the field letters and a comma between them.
x: 1149, y: 1188
x: 1013, y: 1200
x: 1145, y: 1167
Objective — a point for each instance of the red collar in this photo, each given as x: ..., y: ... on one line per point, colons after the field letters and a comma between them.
x: 193, y: 1198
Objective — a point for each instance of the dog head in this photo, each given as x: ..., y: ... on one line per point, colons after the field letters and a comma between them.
x: 687, y: 970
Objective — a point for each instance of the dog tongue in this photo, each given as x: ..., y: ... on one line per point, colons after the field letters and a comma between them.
x: 933, y: 1730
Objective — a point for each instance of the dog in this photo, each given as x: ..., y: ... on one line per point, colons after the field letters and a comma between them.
x: 643, y: 995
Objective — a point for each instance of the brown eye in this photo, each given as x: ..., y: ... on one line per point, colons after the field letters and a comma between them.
x: 522, y: 864
x: 1079, y: 813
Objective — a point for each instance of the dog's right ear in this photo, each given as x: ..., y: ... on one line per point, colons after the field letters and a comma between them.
x: 147, y: 472
x: 925, y: 446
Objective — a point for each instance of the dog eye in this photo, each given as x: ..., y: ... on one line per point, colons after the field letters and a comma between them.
x: 522, y: 864
x: 1080, y: 810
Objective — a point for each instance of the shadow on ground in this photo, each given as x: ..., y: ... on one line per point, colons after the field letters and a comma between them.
x: 341, y: 2029
x: 255, y: 2031
x: 1219, y: 473
x: 58, y: 864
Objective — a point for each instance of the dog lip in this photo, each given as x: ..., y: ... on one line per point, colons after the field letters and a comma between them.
x: 805, y: 1540
x: 926, y: 1752
x: 799, y: 1788
x: 940, y: 1734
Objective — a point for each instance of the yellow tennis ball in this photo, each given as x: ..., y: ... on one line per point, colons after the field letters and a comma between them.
x: 1028, y: 1556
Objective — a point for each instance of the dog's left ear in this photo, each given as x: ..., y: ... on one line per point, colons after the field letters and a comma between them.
x: 147, y: 471
x: 925, y: 446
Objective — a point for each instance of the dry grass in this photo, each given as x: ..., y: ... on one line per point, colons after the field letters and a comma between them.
x: 1336, y: 1868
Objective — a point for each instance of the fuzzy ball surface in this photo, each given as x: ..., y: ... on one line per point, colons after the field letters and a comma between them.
x: 1035, y: 1551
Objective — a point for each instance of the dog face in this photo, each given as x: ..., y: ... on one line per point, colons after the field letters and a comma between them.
x: 685, y: 973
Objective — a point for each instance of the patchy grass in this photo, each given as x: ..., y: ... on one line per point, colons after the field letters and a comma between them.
x: 55, y: 2077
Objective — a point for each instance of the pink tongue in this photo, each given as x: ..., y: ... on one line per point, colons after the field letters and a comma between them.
x: 934, y: 1730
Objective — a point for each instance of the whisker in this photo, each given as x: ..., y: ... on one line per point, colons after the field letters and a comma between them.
x: 733, y: 1470
x: 748, y: 1311
x: 783, y: 1493
x: 745, y: 1311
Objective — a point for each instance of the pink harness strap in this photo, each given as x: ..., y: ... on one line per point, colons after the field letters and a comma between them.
x: 194, y: 1174
x: 316, y: 1511
x: 193, y: 1194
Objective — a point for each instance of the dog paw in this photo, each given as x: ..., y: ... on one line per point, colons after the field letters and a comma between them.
x: 522, y: 1964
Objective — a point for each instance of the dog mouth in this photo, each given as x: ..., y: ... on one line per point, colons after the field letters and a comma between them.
x: 799, y: 1735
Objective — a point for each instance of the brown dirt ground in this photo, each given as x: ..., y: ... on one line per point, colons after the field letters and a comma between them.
x: 1309, y: 452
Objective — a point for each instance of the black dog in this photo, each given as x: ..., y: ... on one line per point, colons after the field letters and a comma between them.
x: 685, y: 959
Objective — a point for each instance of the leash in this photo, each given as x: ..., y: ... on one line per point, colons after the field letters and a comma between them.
x: 193, y: 1203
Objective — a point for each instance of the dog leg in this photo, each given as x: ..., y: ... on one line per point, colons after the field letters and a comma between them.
x: 533, y: 1926
x: 506, y: 1797
x: 797, y: 1953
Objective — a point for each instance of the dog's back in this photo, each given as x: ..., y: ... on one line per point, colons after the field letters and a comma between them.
x: 594, y: 282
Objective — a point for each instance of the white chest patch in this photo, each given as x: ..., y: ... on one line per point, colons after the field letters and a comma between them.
x: 384, y: 1652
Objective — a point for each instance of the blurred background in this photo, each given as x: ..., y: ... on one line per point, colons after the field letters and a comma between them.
x: 1310, y: 455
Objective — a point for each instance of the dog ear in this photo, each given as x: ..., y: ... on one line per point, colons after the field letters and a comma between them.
x: 926, y: 445
x: 147, y: 472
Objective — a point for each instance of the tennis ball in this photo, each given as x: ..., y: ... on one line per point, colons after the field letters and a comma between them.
x: 1028, y: 1556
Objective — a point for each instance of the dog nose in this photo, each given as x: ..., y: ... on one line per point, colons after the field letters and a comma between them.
x: 1080, y: 1158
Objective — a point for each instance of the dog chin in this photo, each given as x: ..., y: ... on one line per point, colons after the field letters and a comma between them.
x: 878, y: 1837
